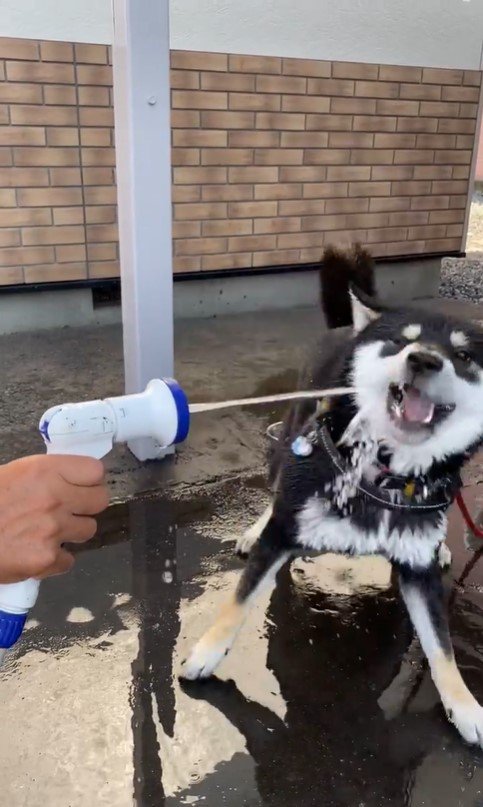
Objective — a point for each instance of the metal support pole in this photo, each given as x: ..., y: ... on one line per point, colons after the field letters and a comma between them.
x: 143, y: 158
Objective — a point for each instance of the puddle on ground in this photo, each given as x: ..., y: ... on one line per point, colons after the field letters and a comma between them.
x: 324, y: 701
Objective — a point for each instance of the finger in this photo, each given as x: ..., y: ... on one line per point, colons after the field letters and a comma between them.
x: 80, y: 470
x: 63, y: 563
x: 77, y: 530
x: 84, y: 501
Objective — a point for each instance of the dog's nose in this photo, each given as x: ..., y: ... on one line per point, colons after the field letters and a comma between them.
x: 422, y: 362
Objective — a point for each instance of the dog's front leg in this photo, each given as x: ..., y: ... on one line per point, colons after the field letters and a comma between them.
x: 422, y: 591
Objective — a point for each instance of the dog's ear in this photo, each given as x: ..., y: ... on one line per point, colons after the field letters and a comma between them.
x: 365, y: 309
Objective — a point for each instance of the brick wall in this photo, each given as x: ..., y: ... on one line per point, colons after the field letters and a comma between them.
x: 272, y: 158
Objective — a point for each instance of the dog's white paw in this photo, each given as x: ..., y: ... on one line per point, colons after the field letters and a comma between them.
x: 444, y: 557
x: 203, y: 660
x: 246, y: 541
x: 467, y: 717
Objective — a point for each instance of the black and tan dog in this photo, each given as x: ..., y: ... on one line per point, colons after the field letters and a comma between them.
x: 373, y: 472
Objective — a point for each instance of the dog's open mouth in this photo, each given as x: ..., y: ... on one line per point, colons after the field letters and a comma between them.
x: 411, y: 409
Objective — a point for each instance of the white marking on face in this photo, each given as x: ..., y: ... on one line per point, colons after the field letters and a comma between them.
x: 459, y: 339
x: 412, y: 332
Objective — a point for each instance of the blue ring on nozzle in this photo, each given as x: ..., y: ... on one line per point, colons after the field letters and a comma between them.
x: 11, y: 627
x: 182, y: 409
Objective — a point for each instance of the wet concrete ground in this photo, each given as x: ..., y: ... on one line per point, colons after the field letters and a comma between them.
x: 324, y: 701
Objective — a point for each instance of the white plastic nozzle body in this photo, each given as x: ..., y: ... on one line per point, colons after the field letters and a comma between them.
x: 90, y: 428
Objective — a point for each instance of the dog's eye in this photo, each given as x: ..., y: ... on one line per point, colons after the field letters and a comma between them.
x: 463, y: 356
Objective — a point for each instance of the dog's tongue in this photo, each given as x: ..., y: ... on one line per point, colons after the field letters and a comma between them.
x: 418, y: 408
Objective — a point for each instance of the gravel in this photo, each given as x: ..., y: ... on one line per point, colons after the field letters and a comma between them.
x: 462, y: 278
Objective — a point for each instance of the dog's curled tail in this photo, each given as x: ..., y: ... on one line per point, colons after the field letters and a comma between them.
x: 339, y: 270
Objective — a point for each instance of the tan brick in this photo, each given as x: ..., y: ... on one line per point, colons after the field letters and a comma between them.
x: 9, y: 238
x: 300, y: 240
x: 254, y: 101
x: 280, y: 120
x: 6, y: 157
x: 101, y: 232
x: 390, y: 72
x: 252, y: 243
x: 254, y: 64
x: 11, y: 93
x: 68, y: 215
x: 461, y: 172
x: 384, y: 204
x: 288, y: 224
x: 98, y: 156
x: 282, y: 156
x: 192, y: 176
x: 372, y: 157
x: 454, y: 230
x: 198, y: 60
x: 324, y: 223
x: 104, y: 269
x: 253, y: 139
x: 433, y: 231
x: 65, y: 176
x: 185, y: 156
x: 417, y: 124
x: 376, y: 220
x: 25, y: 177
x: 11, y: 275
x: 328, y: 190
x: 44, y: 115
x: 354, y: 205
x: 301, y: 207
x: 423, y: 92
x: 330, y: 86
x: 7, y: 197
x: 446, y: 217
x: 45, y: 273
x: 199, y: 99
x: 438, y: 109
x: 200, y: 138
x: 227, y: 120
x: 374, y: 123
x: 251, y: 209
x: 302, y: 173
x: 25, y: 217
x: 306, y: 67
x: 458, y: 201
x: 443, y: 245
x: 376, y: 89
x: 186, y: 193
x: 106, y: 195
x: 435, y: 141
x: 203, y: 210
x: 226, y: 193
x: 94, y: 75
x: 355, y: 70
x: 411, y: 219
x: 94, y: 96
x: 101, y: 214
x: 472, y: 78
x: 232, y: 82
x: 305, y: 103
x: 253, y: 174
x: 413, y: 188
x: 413, y: 156
x: 62, y: 136
x: 185, y: 118
x: 11, y: 48
x: 21, y: 136
x: 101, y: 252
x: 226, y: 156
x: 386, y: 234
x: 468, y: 110
x: 239, y: 260
x: 351, y: 140
x: 200, y: 246
x: 96, y: 116
x: 442, y: 76
x: 56, y: 51
x: 187, y: 229
x: 397, y: 248
x: 33, y: 236
x: 291, y: 190
x: 95, y: 137
x: 352, y: 106
x: 304, y: 140
x: 430, y: 203
x: 432, y: 172
x: 281, y: 84
x: 310, y: 255
x: 42, y: 72
x: 97, y: 176
x: 4, y: 114
x: 225, y: 227
x: 404, y: 141
x: 49, y: 197
x: 327, y: 156
x: 184, y: 80
x: 67, y: 254
x: 91, y: 54
x: 26, y: 256
x: 370, y: 189
x: 389, y: 172
x: 453, y: 157
x: 350, y: 173
x: 57, y: 95
x: 403, y: 108
x: 276, y: 258
x: 462, y: 142
x: 329, y: 123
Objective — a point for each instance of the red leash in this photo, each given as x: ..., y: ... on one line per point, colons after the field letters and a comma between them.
x: 477, y: 532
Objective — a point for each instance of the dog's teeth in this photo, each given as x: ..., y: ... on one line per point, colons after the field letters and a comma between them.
x: 429, y: 416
